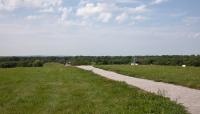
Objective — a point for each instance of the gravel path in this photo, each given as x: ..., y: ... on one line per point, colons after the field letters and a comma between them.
x: 190, y: 98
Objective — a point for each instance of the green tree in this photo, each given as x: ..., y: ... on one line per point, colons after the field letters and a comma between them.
x: 37, y: 63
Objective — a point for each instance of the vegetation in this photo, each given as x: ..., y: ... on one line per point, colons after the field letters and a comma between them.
x: 189, y: 76
x: 55, y: 89
x: 175, y: 60
x: 10, y: 62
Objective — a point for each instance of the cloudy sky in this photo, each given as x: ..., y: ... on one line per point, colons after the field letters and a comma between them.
x: 99, y: 27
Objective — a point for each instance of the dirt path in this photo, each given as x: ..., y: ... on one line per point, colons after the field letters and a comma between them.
x: 190, y: 98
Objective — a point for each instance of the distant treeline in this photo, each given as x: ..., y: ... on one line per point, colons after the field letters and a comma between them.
x: 173, y: 60
x: 10, y: 62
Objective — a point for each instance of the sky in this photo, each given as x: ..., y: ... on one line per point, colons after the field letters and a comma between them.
x: 99, y: 27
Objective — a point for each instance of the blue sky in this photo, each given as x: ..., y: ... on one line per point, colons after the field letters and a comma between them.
x: 99, y: 27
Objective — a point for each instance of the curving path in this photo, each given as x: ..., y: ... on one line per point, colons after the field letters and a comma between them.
x: 190, y: 98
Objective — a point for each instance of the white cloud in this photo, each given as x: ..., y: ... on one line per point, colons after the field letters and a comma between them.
x: 196, y: 35
x: 121, y: 18
x: 105, y: 17
x: 47, y: 10
x: 193, y: 35
x: 101, y: 11
x: 178, y: 14
x: 64, y: 14
x: 127, y: 1
x: 191, y: 20
x: 65, y: 19
x: 138, y: 9
x: 90, y: 9
x: 139, y: 18
x: 33, y: 17
x: 10, y: 5
x: 158, y: 1
x: 129, y: 11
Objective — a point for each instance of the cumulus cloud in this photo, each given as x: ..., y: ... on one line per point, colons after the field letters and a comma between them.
x: 10, y: 5
x: 139, y: 18
x: 64, y: 14
x: 158, y: 1
x: 105, y: 17
x: 127, y: 1
x: 121, y: 18
x: 99, y: 10
x: 47, y: 10
x: 33, y: 17
x: 132, y: 11
x: 138, y: 9
x: 90, y: 9
x: 193, y: 35
x: 104, y: 11
x: 65, y: 20
x: 84, y: 11
x: 197, y: 35
x: 191, y: 20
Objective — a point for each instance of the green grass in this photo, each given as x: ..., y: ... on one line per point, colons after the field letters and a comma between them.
x: 68, y: 90
x: 189, y: 76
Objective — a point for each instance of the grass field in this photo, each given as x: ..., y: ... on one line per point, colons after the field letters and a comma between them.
x: 189, y: 76
x: 55, y: 89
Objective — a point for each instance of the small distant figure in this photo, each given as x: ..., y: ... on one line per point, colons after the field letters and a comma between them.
x: 183, y: 66
x: 68, y: 64
x: 134, y: 63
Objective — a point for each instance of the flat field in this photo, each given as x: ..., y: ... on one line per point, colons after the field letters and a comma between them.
x: 189, y: 76
x: 55, y: 89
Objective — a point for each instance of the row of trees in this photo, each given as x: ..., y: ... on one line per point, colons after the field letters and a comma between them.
x: 191, y: 60
x: 9, y: 62
x: 105, y: 60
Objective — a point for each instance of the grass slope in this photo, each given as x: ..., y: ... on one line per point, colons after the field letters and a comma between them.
x: 60, y: 90
x: 189, y: 76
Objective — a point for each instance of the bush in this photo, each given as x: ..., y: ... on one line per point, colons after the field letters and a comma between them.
x: 8, y: 64
x: 37, y: 63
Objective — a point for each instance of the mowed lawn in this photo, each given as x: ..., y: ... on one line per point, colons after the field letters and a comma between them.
x: 189, y: 76
x: 55, y: 89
